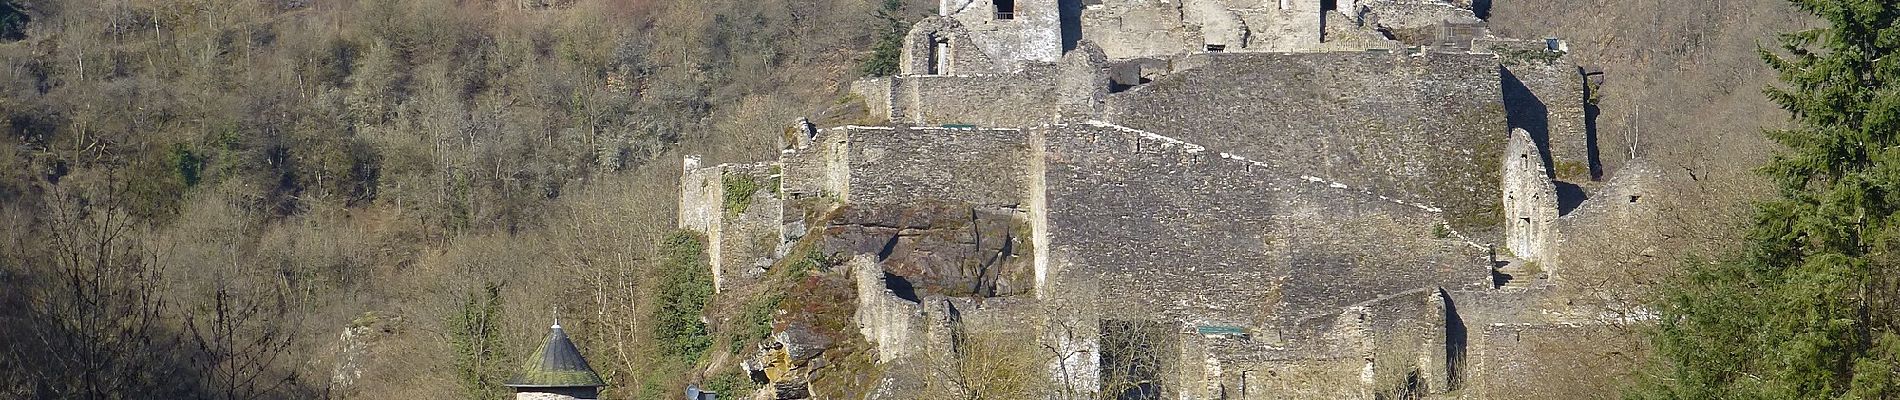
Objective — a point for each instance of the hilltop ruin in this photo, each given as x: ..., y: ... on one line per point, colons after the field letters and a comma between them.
x: 1273, y: 199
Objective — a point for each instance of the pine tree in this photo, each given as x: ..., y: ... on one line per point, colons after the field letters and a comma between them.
x: 1809, y: 309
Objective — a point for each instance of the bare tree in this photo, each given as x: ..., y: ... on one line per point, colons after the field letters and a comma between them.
x: 94, y: 317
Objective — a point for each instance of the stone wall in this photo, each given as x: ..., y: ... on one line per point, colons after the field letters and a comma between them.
x: 740, y: 244
x: 888, y: 322
x: 1530, y: 202
x: 1371, y: 349
x: 944, y: 46
x: 1543, y: 94
x: 1526, y: 361
x: 1141, y: 213
x: 1413, y: 22
x: 1425, y: 128
x: 1033, y: 34
x: 1138, y: 28
x: 983, y: 167
x: 1009, y: 100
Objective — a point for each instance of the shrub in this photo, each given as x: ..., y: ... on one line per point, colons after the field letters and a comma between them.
x: 739, y: 190
x: 685, y: 287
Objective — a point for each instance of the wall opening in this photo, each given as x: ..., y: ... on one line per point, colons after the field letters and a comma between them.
x: 1634, y: 198
x: 1134, y: 358
x: 1005, y: 9
x: 939, y: 57
x: 1216, y: 48
x: 1328, y: 5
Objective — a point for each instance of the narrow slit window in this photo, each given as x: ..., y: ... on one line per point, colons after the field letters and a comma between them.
x: 939, y: 57
x: 1216, y: 48
x: 1005, y: 9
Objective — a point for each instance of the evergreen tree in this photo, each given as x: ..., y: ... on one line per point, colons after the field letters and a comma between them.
x: 1809, y: 309
x: 480, y: 354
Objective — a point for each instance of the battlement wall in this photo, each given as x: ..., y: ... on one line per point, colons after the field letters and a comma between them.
x: 1139, y: 213
x: 1426, y: 128
x: 905, y: 165
x: 1022, y: 99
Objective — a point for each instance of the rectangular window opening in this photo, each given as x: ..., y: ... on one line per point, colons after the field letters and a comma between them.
x: 1216, y: 48
x: 1005, y: 9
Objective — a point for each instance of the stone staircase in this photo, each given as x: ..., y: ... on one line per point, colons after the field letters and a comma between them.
x: 1517, y: 274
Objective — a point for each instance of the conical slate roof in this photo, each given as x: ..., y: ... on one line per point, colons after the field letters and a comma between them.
x: 556, y: 364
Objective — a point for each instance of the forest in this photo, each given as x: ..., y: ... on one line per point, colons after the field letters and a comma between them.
x: 289, y: 199
x: 311, y: 198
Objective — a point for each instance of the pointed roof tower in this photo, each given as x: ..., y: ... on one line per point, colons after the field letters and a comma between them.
x: 557, y: 364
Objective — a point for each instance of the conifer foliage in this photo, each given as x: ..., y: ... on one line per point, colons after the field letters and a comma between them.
x: 1811, y: 307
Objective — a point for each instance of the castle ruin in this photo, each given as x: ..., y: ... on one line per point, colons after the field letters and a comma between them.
x: 1273, y: 199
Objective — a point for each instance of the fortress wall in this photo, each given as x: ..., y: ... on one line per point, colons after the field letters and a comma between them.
x: 1210, y: 240
x: 700, y: 196
x: 877, y: 93
x: 1138, y: 28
x: 1414, y: 22
x: 1364, y: 349
x: 1422, y: 128
x: 984, y: 167
x: 1522, y: 361
x: 749, y: 240
x: 1034, y: 35
x: 818, y: 170
x: 1014, y: 100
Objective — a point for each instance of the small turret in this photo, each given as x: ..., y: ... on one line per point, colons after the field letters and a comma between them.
x: 556, y: 371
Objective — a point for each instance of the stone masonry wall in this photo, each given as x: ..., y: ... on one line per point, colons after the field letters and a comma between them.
x: 1524, y: 361
x: 1544, y: 94
x: 1366, y: 349
x: 1138, y: 28
x: 955, y: 50
x: 1425, y: 128
x: 1530, y: 202
x: 739, y: 244
x: 898, y: 166
x: 1033, y: 35
x: 1139, y: 213
x: 889, y: 322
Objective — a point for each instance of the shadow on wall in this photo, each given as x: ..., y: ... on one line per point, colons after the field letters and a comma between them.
x: 1071, y: 14
x: 1523, y: 110
x: 1590, y: 111
x: 1455, y: 337
x: 1569, y: 196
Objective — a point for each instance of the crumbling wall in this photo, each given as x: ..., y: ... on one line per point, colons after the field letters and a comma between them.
x: 1032, y: 34
x: 1138, y: 28
x: 1530, y: 202
x: 1377, y: 348
x: 887, y: 321
x: 1544, y: 94
x: 741, y: 240
x: 1612, y: 245
x: 1139, y: 212
x: 1538, y: 361
x: 1413, y: 22
x: 944, y: 46
x: 1424, y: 129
